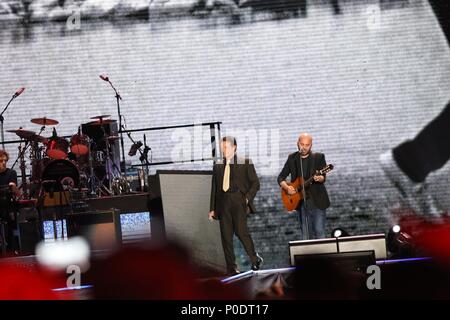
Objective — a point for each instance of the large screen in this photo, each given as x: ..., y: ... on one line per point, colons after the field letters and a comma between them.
x: 360, y: 80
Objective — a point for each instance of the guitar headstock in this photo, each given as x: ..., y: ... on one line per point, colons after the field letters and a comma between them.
x: 326, y: 169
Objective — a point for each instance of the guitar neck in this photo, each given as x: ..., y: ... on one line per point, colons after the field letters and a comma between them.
x: 311, y: 179
x: 306, y: 183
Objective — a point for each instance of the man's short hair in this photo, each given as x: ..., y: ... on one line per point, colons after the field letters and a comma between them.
x: 3, y: 153
x: 230, y: 139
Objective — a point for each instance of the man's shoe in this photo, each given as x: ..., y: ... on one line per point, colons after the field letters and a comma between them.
x: 259, y: 261
x: 233, y: 272
x: 414, y: 195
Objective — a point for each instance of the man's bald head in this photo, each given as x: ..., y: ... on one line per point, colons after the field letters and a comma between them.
x: 306, y: 137
x: 304, y: 143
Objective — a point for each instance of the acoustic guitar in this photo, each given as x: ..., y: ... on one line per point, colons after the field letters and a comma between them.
x: 291, y: 201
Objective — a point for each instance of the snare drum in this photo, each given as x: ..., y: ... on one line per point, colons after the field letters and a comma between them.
x: 79, y: 144
x: 57, y: 148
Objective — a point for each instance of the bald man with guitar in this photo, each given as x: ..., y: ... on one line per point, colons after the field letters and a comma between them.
x: 308, y: 174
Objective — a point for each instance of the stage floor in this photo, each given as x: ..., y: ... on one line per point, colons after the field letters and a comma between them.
x: 262, y: 284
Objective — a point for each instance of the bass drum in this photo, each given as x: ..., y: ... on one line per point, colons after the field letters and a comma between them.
x: 64, y: 172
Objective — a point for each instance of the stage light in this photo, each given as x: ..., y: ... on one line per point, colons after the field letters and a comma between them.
x: 399, y: 243
x: 338, y: 232
x: 60, y: 254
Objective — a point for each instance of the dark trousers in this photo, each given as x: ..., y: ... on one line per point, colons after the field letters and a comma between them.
x: 430, y: 149
x: 233, y: 220
x: 312, y: 222
x: 441, y: 9
x: 9, y: 224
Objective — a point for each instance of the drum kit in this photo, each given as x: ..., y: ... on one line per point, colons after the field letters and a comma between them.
x: 72, y: 164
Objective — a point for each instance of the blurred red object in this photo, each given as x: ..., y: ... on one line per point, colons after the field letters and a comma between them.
x: 434, y: 240
x: 162, y: 272
x: 20, y: 283
x: 431, y: 238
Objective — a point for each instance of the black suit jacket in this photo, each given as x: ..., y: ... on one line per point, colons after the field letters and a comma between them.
x: 8, y: 176
x: 318, y: 192
x: 243, y: 177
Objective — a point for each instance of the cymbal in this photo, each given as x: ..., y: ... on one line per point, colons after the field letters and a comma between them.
x: 29, y: 135
x: 45, y: 121
x: 38, y: 138
x: 24, y: 134
x: 101, y: 122
x: 102, y: 116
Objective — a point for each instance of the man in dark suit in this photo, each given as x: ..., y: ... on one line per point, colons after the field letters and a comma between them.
x: 234, y: 186
x: 312, y: 211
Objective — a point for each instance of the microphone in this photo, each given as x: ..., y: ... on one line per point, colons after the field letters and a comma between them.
x: 19, y: 92
x: 104, y: 78
x: 134, y: 148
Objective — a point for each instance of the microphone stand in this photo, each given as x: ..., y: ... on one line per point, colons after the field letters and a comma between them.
x: 144, y: 156
x: 92, y: 192
x: 2, y: 119
x: 304, y: 198
x: 22, y: 169
x: 118, y: 98
x: 107, y: 159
